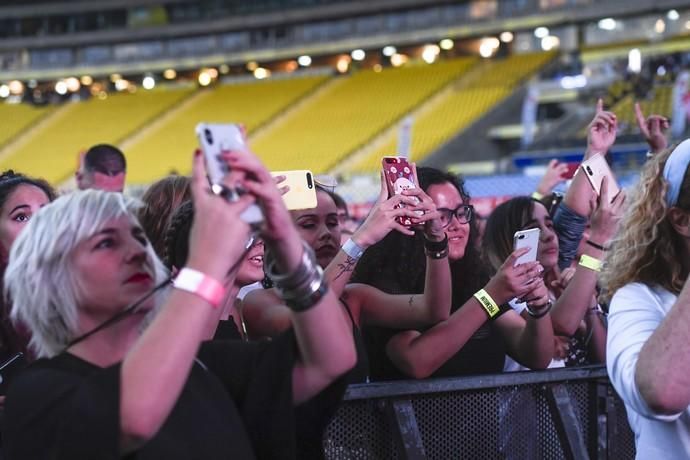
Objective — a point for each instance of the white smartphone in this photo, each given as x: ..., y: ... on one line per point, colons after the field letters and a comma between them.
x: 596, y: 168
x: 526, y: 239
x: 302, y: 193
x: 215, y: 139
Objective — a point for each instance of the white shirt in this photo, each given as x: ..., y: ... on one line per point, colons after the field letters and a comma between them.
x: 636, y: 311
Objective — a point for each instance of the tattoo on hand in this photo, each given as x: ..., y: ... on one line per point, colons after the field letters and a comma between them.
x: 347, y: 266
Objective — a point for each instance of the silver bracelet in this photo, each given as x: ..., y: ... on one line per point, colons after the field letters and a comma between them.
x: 304, y: 287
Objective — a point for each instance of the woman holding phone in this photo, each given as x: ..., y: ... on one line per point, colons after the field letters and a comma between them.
x: 266, y: 314
x: 145, y: 386
x: 473, y: 340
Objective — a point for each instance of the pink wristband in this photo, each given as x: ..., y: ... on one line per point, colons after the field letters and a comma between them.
x: 209, y: 289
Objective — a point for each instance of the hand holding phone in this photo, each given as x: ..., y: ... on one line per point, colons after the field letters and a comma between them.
x: 595, y: 169
x: 526, y: 239
x: 214, y: 140
x: 399, y: 176
x: 301, y: 192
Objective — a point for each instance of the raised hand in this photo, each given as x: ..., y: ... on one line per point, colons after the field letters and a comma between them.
x: 513, y: 281
x: 601, y: 132
x: 552, y: 177
x: 607, y: 215
x: 653, y: 128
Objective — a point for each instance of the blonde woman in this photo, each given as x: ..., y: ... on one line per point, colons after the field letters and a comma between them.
x: 648, y: 350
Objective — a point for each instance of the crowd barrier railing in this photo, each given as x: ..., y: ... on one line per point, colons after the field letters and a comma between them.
x: 570, y: 413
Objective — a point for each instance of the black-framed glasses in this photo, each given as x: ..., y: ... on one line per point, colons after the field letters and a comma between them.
x: 463, y: 213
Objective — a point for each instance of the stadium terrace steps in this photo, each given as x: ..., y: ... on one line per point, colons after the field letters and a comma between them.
x: 458, y: 107
x: 168, y: 146
x: 18, y: 120
x: 350, y: 113
x: 52, y: 149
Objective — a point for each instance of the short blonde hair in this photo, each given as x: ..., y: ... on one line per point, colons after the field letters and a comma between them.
x: 39, y: 280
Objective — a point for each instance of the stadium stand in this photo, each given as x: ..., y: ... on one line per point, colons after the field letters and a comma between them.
x: 52, y: 149
x: 352, y: 112
x: 466, y: 102
x: 168, y: 145
x: 17, y: 118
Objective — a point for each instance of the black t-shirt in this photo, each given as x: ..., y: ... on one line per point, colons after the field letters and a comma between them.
x: 236, y: 403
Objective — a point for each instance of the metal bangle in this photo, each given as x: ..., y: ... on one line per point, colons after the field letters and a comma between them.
x: 540, y: 314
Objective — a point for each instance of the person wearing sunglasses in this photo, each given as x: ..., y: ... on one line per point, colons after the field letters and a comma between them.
x: 473, y: 340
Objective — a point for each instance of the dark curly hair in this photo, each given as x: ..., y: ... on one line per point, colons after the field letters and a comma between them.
x: 9, y: 181
x: 397, y: 264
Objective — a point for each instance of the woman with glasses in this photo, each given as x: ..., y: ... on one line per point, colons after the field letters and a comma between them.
x: 473, y: 340
x: 266, y: 315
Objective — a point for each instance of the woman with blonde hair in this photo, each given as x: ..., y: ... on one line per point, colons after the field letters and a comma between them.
x: 645, y: 275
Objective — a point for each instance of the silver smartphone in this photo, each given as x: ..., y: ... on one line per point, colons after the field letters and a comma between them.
x: 215, y: 139
x: 526, y: 239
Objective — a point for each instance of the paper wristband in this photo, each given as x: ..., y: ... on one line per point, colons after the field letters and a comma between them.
x: 200, y: 284
x: 487, y: 303
x: 590, y: 262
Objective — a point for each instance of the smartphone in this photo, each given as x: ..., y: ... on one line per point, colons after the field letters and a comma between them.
x: 526, y: 239
x: 9, y: 368
x: 215, y: 139
x: 302, y: 193
x: 596, y: 168
x: 399, y: 177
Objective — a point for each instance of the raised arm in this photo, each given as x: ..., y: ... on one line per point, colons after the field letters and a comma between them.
x: 572, y: 305
x: 155, y: 370
x: 420, y: 354
x: 653, y: 129
x: 324, y: 339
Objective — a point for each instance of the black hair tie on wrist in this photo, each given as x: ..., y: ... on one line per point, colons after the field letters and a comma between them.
x: 436, y: 246
x: 597, y: 245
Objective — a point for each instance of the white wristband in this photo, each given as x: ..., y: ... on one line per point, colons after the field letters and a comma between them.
x: 198, y: 283
x: 352, y: 249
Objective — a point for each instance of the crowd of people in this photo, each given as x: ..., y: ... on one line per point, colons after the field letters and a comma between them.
x: 170, y: 328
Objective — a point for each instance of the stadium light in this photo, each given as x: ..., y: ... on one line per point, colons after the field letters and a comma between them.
x: 73, y: 84
x: 660, y: 26
x: 148, y: 82
x: 488, y: 46
x: 204, y: 78
x: 252, y: 66
x: 673, y: 15
x: 260, y: 73
x: 541, y: 32
x: 170, y: 74
x: 86, y: 80
x: 635, y: 60
x: 607, y: 24
x: 4, y: 91
x: 389, y: 51
x: 224, y: 68
x: 304, y: 61
x: 121, y: 84
x: 507, y: 37
x: 550, y: 42
x: 446, y: 44
x: 61, y: 88
x: 358, y: 55
x: 343, y: 64
x: 115, y: 77
x: 16, y: 87
x: 430, y: 53
x: 398, y: 59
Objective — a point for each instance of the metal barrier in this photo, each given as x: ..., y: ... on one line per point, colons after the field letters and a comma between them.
x: 570, y: 413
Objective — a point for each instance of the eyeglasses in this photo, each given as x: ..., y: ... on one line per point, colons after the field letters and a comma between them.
x: 463, y: 213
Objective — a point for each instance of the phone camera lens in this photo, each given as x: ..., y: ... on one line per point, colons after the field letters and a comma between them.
x: 310, y: 183
x: 521, y: 237
x: 589, y: 171
x: 208, y: 136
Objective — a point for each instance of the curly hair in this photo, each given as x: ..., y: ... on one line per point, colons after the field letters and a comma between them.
x: 397, y: 263
x: 160, y: 202
x: 646, y: 249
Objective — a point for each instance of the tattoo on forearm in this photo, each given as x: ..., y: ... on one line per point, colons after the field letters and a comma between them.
x: 345, y: 267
